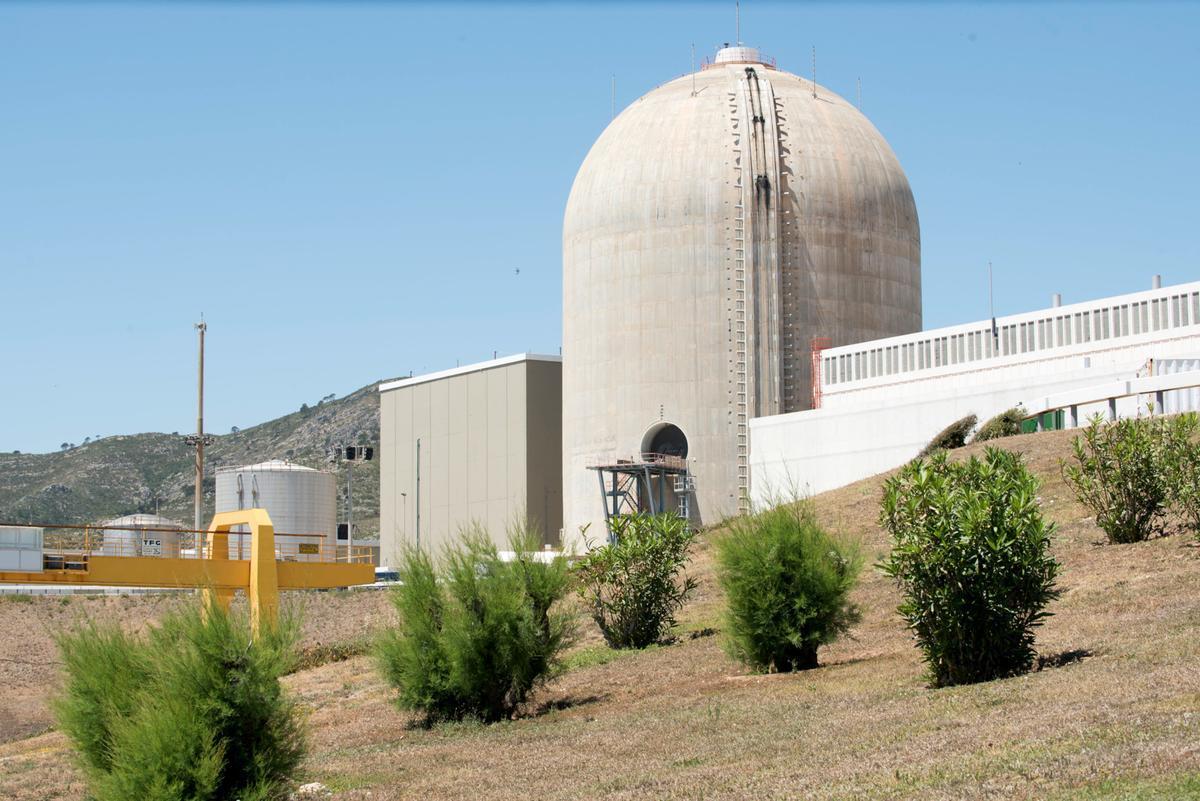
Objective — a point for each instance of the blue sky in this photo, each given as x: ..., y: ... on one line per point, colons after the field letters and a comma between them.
x: 346, y: 191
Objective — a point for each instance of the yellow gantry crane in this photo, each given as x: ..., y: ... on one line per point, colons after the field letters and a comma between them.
x: 212, y: 570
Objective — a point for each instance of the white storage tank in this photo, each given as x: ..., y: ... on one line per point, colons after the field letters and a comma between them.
x: 140, y: 535
x: 301, y: 501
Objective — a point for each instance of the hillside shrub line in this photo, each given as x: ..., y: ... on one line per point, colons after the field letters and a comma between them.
x: 632, y: 586
x: 951, y: 437
x: 971, y: 555
x: 476, y: 633
x: 192, y: 710
x: 1129, y: 472
x: 787, y: 584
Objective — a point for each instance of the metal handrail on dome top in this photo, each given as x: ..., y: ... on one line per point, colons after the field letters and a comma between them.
x: 711, y: 61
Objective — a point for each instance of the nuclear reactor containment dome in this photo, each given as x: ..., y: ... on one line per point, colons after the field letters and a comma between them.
x: 718, y: 226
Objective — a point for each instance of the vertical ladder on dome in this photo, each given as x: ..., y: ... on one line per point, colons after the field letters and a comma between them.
x: 740, y: 334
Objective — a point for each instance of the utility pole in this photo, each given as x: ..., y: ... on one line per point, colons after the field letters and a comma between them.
x: 199, y: 440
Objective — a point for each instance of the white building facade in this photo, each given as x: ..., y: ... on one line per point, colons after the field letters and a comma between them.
x: 882, y: 401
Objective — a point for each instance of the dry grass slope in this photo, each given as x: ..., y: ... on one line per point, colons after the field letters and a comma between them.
x: 683, y: 721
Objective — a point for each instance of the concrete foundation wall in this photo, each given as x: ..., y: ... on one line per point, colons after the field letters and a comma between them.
x: 869, y: 431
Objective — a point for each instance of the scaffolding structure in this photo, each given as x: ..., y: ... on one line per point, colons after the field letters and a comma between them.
x: 637, y: 485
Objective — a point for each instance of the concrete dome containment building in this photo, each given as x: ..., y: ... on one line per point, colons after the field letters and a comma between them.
x: 719, y: 225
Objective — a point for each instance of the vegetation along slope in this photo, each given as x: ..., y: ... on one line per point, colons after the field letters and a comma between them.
x: 1113, y: 714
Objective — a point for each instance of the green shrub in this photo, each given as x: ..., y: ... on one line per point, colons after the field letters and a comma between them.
x: 193, y: 710
x: 971, y: 554
x: 1183, y: 468
x: 1005, y: 424
x: 951, y: 437
x: 476, y: 632
x: 1122, y: 473
x: 631, y: 586
x: 787, y: 584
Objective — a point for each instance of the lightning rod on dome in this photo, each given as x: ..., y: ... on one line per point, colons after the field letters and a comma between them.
x: 737, y: 22
x: 693, y: 69
x: 814, y: 72
x: 858, y: 92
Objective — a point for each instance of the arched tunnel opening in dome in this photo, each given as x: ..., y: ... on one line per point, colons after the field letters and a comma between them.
x: 666, y: 439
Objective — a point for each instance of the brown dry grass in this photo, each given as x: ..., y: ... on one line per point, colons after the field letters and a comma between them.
x: 683, y: 721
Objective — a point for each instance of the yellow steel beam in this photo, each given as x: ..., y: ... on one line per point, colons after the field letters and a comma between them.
x: 155, y: 571
x: 261, y: 577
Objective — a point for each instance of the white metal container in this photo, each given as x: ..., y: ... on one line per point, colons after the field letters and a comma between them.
x: 21, y: 548
x: 140, y: 535
x: 301, y: 501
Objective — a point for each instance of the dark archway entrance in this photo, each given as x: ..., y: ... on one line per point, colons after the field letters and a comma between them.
x: 666, y: 439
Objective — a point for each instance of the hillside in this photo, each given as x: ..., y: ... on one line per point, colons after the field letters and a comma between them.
x: 119, y: 475
x: 1119, y: 718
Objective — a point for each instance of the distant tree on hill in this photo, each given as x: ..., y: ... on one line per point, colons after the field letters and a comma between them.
x: 303, y: 408
x: 64, y: 446
x: 234, y: 429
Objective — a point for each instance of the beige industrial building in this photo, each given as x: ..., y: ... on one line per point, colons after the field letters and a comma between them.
x: 476, y: 444
x: 722, y: 226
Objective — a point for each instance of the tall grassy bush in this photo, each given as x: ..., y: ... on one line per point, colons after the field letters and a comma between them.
x: 1122, y: 472
x: 632, y: 586
x: 192, y: 710
x: 971, y: 554
x: 476, y: 633
x: 952, y: 436
x: 787, y: 583
x: 1005, y: 424
x: 1183, y: 466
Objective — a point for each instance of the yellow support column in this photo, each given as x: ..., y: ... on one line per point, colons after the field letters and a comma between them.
x: 218, y: 548
x: 264, y: 577
x: 263, y: 589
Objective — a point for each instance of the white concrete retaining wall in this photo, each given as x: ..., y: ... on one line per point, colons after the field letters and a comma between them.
x: 886, y: 420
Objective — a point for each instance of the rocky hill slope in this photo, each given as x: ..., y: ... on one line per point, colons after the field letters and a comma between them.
x: 120, y: 475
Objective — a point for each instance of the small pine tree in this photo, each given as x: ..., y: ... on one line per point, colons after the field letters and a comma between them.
x: 194, y: 710
x: 477, y: 633
x: 787, y: 584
